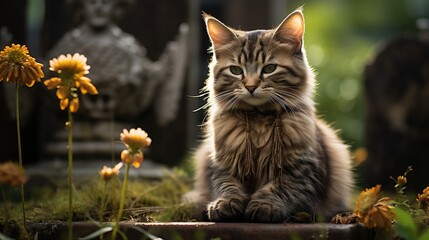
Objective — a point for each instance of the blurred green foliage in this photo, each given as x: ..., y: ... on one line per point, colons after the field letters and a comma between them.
x: 341, y: 38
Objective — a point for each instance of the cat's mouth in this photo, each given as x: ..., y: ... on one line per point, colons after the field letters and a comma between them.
x: 254, y: 98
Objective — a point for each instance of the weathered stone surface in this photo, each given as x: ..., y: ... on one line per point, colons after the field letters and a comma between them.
x: 210, y: 230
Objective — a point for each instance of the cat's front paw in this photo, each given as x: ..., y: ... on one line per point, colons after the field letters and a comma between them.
x: 226, y: 209
x: 264, y: 211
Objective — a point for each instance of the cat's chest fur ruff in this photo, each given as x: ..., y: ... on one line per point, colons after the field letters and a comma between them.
x: 234, y: 128
x: 256, y: 146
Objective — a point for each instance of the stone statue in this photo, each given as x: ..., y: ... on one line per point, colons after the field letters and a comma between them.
x: 127, y: 81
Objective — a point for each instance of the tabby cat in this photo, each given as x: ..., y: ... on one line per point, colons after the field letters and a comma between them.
x: 266, y: 155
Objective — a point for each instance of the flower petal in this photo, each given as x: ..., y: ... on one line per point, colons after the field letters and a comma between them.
x: 136, y: 164
x: 52, y: 83
x: 135, y: 138
x: 34, y: 73
x: 74, y: 65
x: 30, y: 83
x: 125, y: 156
x: 86, y: 86
x: 64, y: 103
x: 63, y: 92
x: 15, y: 71
x: 24, y: 76
x: 74, y: 105
x: 9, y: 76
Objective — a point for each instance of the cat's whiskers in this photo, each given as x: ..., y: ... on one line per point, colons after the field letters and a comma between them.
x: 231, y: 104
x: 205, y: 106
x: 284, y: 103
x: 228, y: 99
x: 274, y: 99
x: 303, y: 109
x: 289, y: 93
x: 287, y: 106
x: 219, y: 98
x: 204, y: 94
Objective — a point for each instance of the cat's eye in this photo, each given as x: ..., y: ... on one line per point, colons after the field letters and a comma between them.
x: 236, y: 70
x: 269, y: 68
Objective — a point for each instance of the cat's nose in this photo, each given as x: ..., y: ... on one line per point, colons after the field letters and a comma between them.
x: 251, y: 89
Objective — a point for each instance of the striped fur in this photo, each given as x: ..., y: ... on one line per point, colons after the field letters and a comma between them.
x: 266, y: 155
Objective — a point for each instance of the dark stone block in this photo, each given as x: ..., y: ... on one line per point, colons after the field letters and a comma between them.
x: 210, y: 230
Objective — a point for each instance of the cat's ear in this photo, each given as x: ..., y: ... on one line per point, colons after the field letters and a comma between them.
x: 291, y: 29
x: 219, y: 33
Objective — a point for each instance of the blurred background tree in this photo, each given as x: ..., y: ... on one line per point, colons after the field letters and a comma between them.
x: 341, y: 38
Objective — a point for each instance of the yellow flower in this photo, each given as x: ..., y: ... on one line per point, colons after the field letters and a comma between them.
x: 69, y: 65
x: 17, y: 66
x: 107, y: 173
x: 372, y: 210
x: 380, y: 215
x: 11, y: 174
x: 366, y: 199
x: 423, y: 199
x: 134, y: 158
x: 71, y: 71
x: 135, y: 139
x: 401, y: 180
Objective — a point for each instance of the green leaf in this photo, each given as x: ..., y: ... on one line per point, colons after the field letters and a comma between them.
x: 124, y: 237
x: 146, y: 233
x: 425, y: 235
x: 98, y: 233
x: 4, y: 237
x: 405, y: 225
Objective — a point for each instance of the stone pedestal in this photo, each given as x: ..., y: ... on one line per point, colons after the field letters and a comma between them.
x: 397, y: 113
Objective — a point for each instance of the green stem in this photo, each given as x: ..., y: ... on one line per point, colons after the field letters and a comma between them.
x: 70, y: 172
x: 18, y: 132
x: 122, y: 201
x: 103, y: 206
x: 103, y: 202
x: 5, y: 203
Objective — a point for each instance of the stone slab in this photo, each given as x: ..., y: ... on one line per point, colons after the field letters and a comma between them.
x: 210, y: 230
